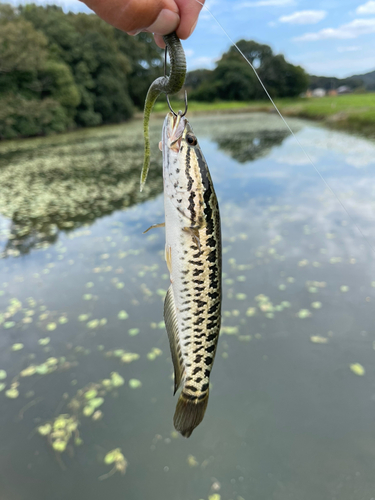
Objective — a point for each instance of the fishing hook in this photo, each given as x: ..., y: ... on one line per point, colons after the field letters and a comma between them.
x: 165, y: 75
x: 186, y: 106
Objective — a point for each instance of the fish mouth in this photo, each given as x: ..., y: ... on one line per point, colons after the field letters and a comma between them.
x: 176, y: 130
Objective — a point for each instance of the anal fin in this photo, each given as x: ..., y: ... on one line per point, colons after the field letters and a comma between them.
x: 170, y: 318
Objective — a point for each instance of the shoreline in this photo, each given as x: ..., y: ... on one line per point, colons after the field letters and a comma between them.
x: 353, y: 113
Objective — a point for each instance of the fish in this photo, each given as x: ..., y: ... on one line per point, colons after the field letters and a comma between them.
x: 192, y: 307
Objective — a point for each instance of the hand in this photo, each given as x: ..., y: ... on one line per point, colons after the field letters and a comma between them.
x: 155, y: 16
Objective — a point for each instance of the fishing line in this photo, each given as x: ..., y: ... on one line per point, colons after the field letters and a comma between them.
x: 287, y: 126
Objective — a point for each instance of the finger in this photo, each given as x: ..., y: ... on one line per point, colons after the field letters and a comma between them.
x: 189, y: 12
x: 136, y: 15
x: 166, y: 22
x: 159, y: 41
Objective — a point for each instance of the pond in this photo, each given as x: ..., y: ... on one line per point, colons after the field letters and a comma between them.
x: 85, y: 365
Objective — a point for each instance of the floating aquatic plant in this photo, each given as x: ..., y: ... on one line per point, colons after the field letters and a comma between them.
x: 12, y: 393
x: 60, y: 431
x: 17, y: 347
x: 122, y: 315
x: 134, y: 383
x: 155, y: 352
x: 357, y: 369
x: 317, y: 339
x: 116, y: 458
x: 133, y: 331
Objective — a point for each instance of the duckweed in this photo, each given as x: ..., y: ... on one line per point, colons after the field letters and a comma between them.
x: 44, y: 341
x: 357, y: 369
x: 133, y: 331
x: 12, y: 393
x: 17, y: 347
x: 91, y: 394
x: 117, y: 380
x: 303, y: 313
x: 128, y: 357
x: 117, y: 458
x: 122, y: 315
x: 192, y: 461
x: 317, y: 339
x: 134, y: 383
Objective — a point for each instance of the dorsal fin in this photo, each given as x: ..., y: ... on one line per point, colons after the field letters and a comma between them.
x: 170, y: 319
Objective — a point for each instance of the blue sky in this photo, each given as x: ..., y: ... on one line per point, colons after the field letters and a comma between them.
x: 326, y: 37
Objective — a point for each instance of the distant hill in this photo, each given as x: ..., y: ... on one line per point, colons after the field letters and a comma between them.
x: 366, y: 81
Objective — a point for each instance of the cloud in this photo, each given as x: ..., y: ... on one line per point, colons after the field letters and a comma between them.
x: 354, y: 29
x: 340, y: 66
x: 265, y: 3
x: 202, y: 62
x: 366, y: 8
x: 304, y: 17
x: 352, y: 48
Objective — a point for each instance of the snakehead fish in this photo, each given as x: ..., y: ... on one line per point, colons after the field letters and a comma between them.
x: 169, y: 85
x: 192, y: 307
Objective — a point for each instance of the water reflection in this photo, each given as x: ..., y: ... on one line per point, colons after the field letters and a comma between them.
x: 244, y: 147
x: 48, y: 187
x: 55, y: 187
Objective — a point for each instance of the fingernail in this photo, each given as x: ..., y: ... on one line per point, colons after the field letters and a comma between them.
x: 134, y: 33
x: 166, y: 22
x: 193, y: 27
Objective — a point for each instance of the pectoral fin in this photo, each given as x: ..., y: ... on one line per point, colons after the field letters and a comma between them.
x: 194, y: 232
x: 170, y: 318
x: 162, y: 224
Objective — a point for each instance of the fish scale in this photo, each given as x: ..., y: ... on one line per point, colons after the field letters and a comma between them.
x: 192, y: 309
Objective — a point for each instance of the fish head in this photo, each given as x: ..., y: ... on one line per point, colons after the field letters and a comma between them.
x: 173, y: 131
x: 177, y: 131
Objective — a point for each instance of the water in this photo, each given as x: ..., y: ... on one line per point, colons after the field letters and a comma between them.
x: 81, y: 286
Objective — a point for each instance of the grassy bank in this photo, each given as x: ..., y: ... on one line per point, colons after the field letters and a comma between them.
x: 348, y: 112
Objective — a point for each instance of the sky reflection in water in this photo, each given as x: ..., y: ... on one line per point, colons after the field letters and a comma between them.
x: 287, y: 417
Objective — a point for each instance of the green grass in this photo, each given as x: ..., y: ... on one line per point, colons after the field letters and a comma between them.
x: 355, y: 112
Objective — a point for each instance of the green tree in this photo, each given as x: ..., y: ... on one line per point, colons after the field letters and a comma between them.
x: 146, y: 63
x: 74, y: 63
x: 22, y: 48
x: 195, y: 78
x: 89, y: 46
x: 234, y: 79
x: 27, y: 106
x: 255, y: 52
x: 27, y: 117
x: 57, y: 81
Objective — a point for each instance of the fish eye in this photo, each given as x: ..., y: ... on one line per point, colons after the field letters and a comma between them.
x: 191, y: 140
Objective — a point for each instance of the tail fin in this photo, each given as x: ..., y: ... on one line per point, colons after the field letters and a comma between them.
x: 189, y: 413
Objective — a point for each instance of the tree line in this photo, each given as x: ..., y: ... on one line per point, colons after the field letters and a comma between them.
x: 234, y: 80
x: 61, y: 71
